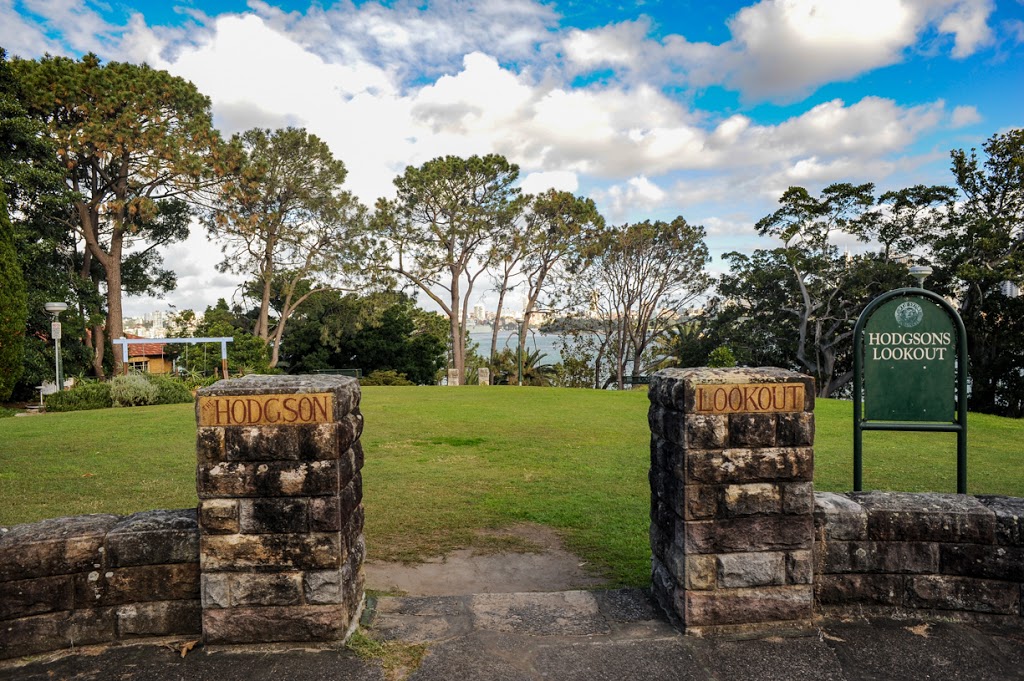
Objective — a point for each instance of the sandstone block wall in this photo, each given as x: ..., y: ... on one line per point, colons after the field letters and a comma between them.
x: 936, y: 552
x: 731, y: 475
x: 280, y: 508
x: 94, y: 579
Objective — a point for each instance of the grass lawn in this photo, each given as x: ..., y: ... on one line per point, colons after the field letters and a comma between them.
x: 443, y: 463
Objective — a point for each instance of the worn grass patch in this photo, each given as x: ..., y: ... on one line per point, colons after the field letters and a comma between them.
x: 397, y: 659
x: 447, y: 467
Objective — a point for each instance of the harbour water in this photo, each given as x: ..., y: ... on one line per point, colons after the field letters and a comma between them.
x: 545, y: 342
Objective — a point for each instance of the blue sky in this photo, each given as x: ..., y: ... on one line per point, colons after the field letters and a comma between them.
x: 708, y: 110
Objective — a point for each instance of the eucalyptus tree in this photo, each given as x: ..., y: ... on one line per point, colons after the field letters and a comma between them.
x: 807, y: 225
x: 534, y: 252
x: 827, y: 289
x: 560, y: 228
x: 286, y: 224
x: 129, y: 138
x: 979, y: 259
x: 650, y: 272
x: 437, y: 232
x: 910, y: 218
x: 508, y: 251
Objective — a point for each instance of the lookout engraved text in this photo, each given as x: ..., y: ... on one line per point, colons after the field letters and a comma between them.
x: 764, y: 398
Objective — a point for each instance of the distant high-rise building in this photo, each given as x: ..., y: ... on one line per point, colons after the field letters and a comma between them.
x: 1009, y: 289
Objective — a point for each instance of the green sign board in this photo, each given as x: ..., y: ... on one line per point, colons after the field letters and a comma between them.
x: 910, y: 372
x: 910, y: 350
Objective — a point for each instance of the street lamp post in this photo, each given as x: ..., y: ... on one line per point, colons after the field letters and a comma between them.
x: 55, y: 332
x: 920, y: 272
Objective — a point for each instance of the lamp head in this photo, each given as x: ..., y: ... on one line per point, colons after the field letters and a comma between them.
x: 920, y: 272
x: 55, y: 308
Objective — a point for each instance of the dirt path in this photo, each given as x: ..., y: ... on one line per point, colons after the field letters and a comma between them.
x: 546, y: 567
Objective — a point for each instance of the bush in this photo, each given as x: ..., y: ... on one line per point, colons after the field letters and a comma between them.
x: 6, y: 413
x: 385, y: 377
x: 170, y: 390
x: 133, y: 391
x: 197, y: 381
x: 85, y: 395
x: 721, y: 358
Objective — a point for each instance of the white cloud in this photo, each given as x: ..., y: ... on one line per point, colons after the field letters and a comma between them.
x: 561, y: 180
x: 612, y: 45
x: 636, y: 194
x: 968, y: 23
x: 963, y: 116
x: 871, y: 127
x: 194, y: 261
x: 1014, y: 29
x: 20, y: 37
x: 413, y: 38
x: 783, y: 49
x: 247, y: 61
x: 781, y: 46
x: 79, y: 26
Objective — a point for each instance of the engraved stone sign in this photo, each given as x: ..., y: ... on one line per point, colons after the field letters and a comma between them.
x: 752, y: 398
x: 271, y: 410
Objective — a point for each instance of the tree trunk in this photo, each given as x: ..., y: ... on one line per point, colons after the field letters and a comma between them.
x: 263, y: 321
x: 524, y: 328
x: 458, y: 336
x: 275, y: 346
x: 497, y: 325
x: 98, y: 346
x: 620, y: 357
x: 94, y: 337
x: 115, y: 321
x: 637, y: 359
x: 598, y: 360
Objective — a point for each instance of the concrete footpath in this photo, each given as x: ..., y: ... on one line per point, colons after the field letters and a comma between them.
x: 569, y: 635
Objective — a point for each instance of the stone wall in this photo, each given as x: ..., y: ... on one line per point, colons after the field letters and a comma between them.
x: 274, y: 553
x: 94, y: 579
x: 935, y: 552
x: 731, y: 497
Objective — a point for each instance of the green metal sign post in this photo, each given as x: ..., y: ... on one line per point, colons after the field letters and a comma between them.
x: 910, y: 372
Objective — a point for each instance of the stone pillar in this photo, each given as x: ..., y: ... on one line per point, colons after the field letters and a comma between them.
x: 732, y: 501
x: 280, y: 508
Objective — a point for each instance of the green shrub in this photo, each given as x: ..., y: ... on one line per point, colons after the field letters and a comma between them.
x: 133, y: 391
x: 385, y: 377
x: 721, y: 357
x: 198, y: 381
x: 170, y: 390
x: 85, y: 395
x: 5, y: 412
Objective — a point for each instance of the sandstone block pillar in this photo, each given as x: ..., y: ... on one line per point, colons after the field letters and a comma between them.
x: 280, y: 508
x: 732, y: 502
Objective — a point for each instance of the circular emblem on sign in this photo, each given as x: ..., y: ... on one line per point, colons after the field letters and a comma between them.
x: 909, y: 314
